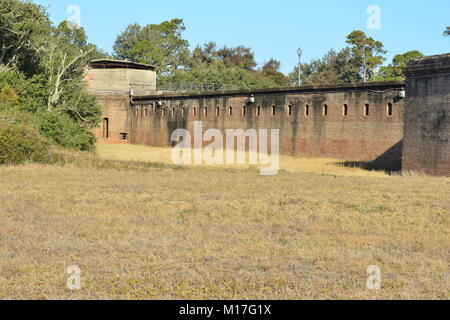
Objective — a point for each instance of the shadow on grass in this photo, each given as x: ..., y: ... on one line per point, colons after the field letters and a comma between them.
x: 390, y: 162
x: 389, y: 168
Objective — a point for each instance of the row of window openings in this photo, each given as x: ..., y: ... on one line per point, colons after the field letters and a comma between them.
x: 325, y: 111
x: 345, y: 110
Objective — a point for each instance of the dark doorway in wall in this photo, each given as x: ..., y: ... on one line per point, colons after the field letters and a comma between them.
x: 345, y: 110
x: 105, y: 128
x: 367, y: 110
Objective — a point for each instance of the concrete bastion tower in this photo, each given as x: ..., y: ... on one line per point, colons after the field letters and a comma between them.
x: 427, y: 116
x: 113, y: 82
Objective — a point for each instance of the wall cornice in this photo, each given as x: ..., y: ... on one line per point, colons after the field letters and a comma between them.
x: 376, y: 87
x: 429, y: 65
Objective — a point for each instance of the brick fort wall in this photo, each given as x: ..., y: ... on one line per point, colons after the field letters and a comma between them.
x: 354, y: 122
x: 427, y: 116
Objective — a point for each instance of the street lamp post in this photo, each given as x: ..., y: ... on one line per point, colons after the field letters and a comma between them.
x: 299, y: 52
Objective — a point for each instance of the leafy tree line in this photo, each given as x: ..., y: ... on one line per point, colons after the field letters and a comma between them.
x: 360, y: 61
x: 163, y: 46
x: 41, y: 76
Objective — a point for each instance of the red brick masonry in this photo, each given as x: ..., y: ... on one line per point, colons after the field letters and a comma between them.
x: 427, y: 118
x: 353, y: 122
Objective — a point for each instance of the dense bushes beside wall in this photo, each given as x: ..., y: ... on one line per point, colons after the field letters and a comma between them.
x: 42, y: 68
x: 21, y: 142
x: 25, y: 98
x: 61, y: 130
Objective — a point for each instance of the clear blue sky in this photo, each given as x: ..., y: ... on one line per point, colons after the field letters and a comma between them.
x: 271, y: 28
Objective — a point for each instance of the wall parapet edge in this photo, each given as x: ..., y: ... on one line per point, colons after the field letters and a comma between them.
x: 428, y: 65
x: 376, y: 87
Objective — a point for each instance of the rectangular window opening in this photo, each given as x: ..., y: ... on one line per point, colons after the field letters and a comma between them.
x: 325, y: 110
x: 345, y: 110
x: 307, y: 110
x: 390, y: 110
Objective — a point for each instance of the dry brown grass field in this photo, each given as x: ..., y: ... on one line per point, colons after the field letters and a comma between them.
x: 162, y: 232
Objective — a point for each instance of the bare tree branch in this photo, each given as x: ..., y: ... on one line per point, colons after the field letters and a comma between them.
x: 60, y: 76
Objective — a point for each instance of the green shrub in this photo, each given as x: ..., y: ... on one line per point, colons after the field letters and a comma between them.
x: 21, y: 143
x: 60, y: 129
x: 70, y: 123
x: 8, y: 95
